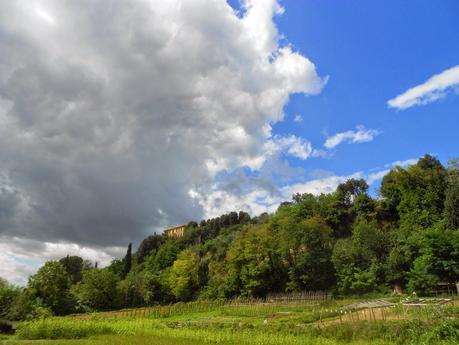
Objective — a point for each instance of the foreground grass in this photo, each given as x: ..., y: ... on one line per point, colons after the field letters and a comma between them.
x: 261, y: 324
x: 109, y: 340
x: 149, y: 340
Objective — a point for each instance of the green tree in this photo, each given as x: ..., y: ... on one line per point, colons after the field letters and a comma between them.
x: 8, y: 294
x: 74, y: 266
x: 338, y: 209
x: 438, y: 260
x: 358, y: 259
x: 132, y: 290
x: 51, y: 285
x: 254, y: 263
x: 98, y: 290
x: 422, y: 193
x: 452, y: 196
x: 164, y: 257
x: 183, y: 276
x: 25, y: 306
x: 307, y: 246
x: 127, y: 261
x: 156, y: 288
x: 149, y: 245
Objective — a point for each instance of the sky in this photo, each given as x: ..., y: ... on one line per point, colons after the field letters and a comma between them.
x: 118, y: 119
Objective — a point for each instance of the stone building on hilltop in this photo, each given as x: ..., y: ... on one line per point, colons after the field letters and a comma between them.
x: 176, y: 231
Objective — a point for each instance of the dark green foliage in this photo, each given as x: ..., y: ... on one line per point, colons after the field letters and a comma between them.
x: 148, y: 245
x: 452, y: 196
x: 127, y: 261
x: 74, y: 265
x: 131, y: 290
x: 156, y: 289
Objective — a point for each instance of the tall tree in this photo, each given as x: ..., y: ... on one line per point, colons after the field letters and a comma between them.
x: 452, y: 195
x: 128, y: 261
x: 422, y: 189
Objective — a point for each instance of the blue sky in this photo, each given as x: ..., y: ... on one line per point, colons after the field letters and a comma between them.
x: 373, y: 51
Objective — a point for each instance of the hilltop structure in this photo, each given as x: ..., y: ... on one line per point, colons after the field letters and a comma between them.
x: 176, y: 231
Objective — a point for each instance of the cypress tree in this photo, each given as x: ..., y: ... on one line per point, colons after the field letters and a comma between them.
x: 127, y: 261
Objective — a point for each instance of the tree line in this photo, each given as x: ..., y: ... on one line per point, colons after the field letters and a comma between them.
x: 346, y: 242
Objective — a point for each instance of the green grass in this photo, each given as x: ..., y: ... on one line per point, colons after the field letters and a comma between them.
x: 250, y: 324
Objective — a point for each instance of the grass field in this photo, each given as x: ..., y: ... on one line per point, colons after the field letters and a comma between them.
x: 293, y: 323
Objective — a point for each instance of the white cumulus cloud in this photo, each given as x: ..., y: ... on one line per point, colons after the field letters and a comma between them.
x: 291, y: 145
x: 359, y: 135
x: 432, y: 90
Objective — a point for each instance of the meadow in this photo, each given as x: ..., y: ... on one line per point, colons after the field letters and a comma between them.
x: 291, y: 323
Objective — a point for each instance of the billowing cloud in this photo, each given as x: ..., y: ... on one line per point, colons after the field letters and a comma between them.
x: 433, y: 89
x: 291, y: 145
x: 359, y: 135
x: 111, y: 113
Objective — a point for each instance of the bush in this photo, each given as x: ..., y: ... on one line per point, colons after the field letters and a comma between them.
x: 446, y: 331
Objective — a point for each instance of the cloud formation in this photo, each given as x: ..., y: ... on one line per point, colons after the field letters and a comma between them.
x: 110, y: 113
x: 291, y: 145
x: 298, y: 118
x: 433, y: 89
x: 359, y: 135
x: 257, y: 198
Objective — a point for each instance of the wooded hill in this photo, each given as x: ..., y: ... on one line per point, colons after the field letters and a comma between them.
x: 346, y: 242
